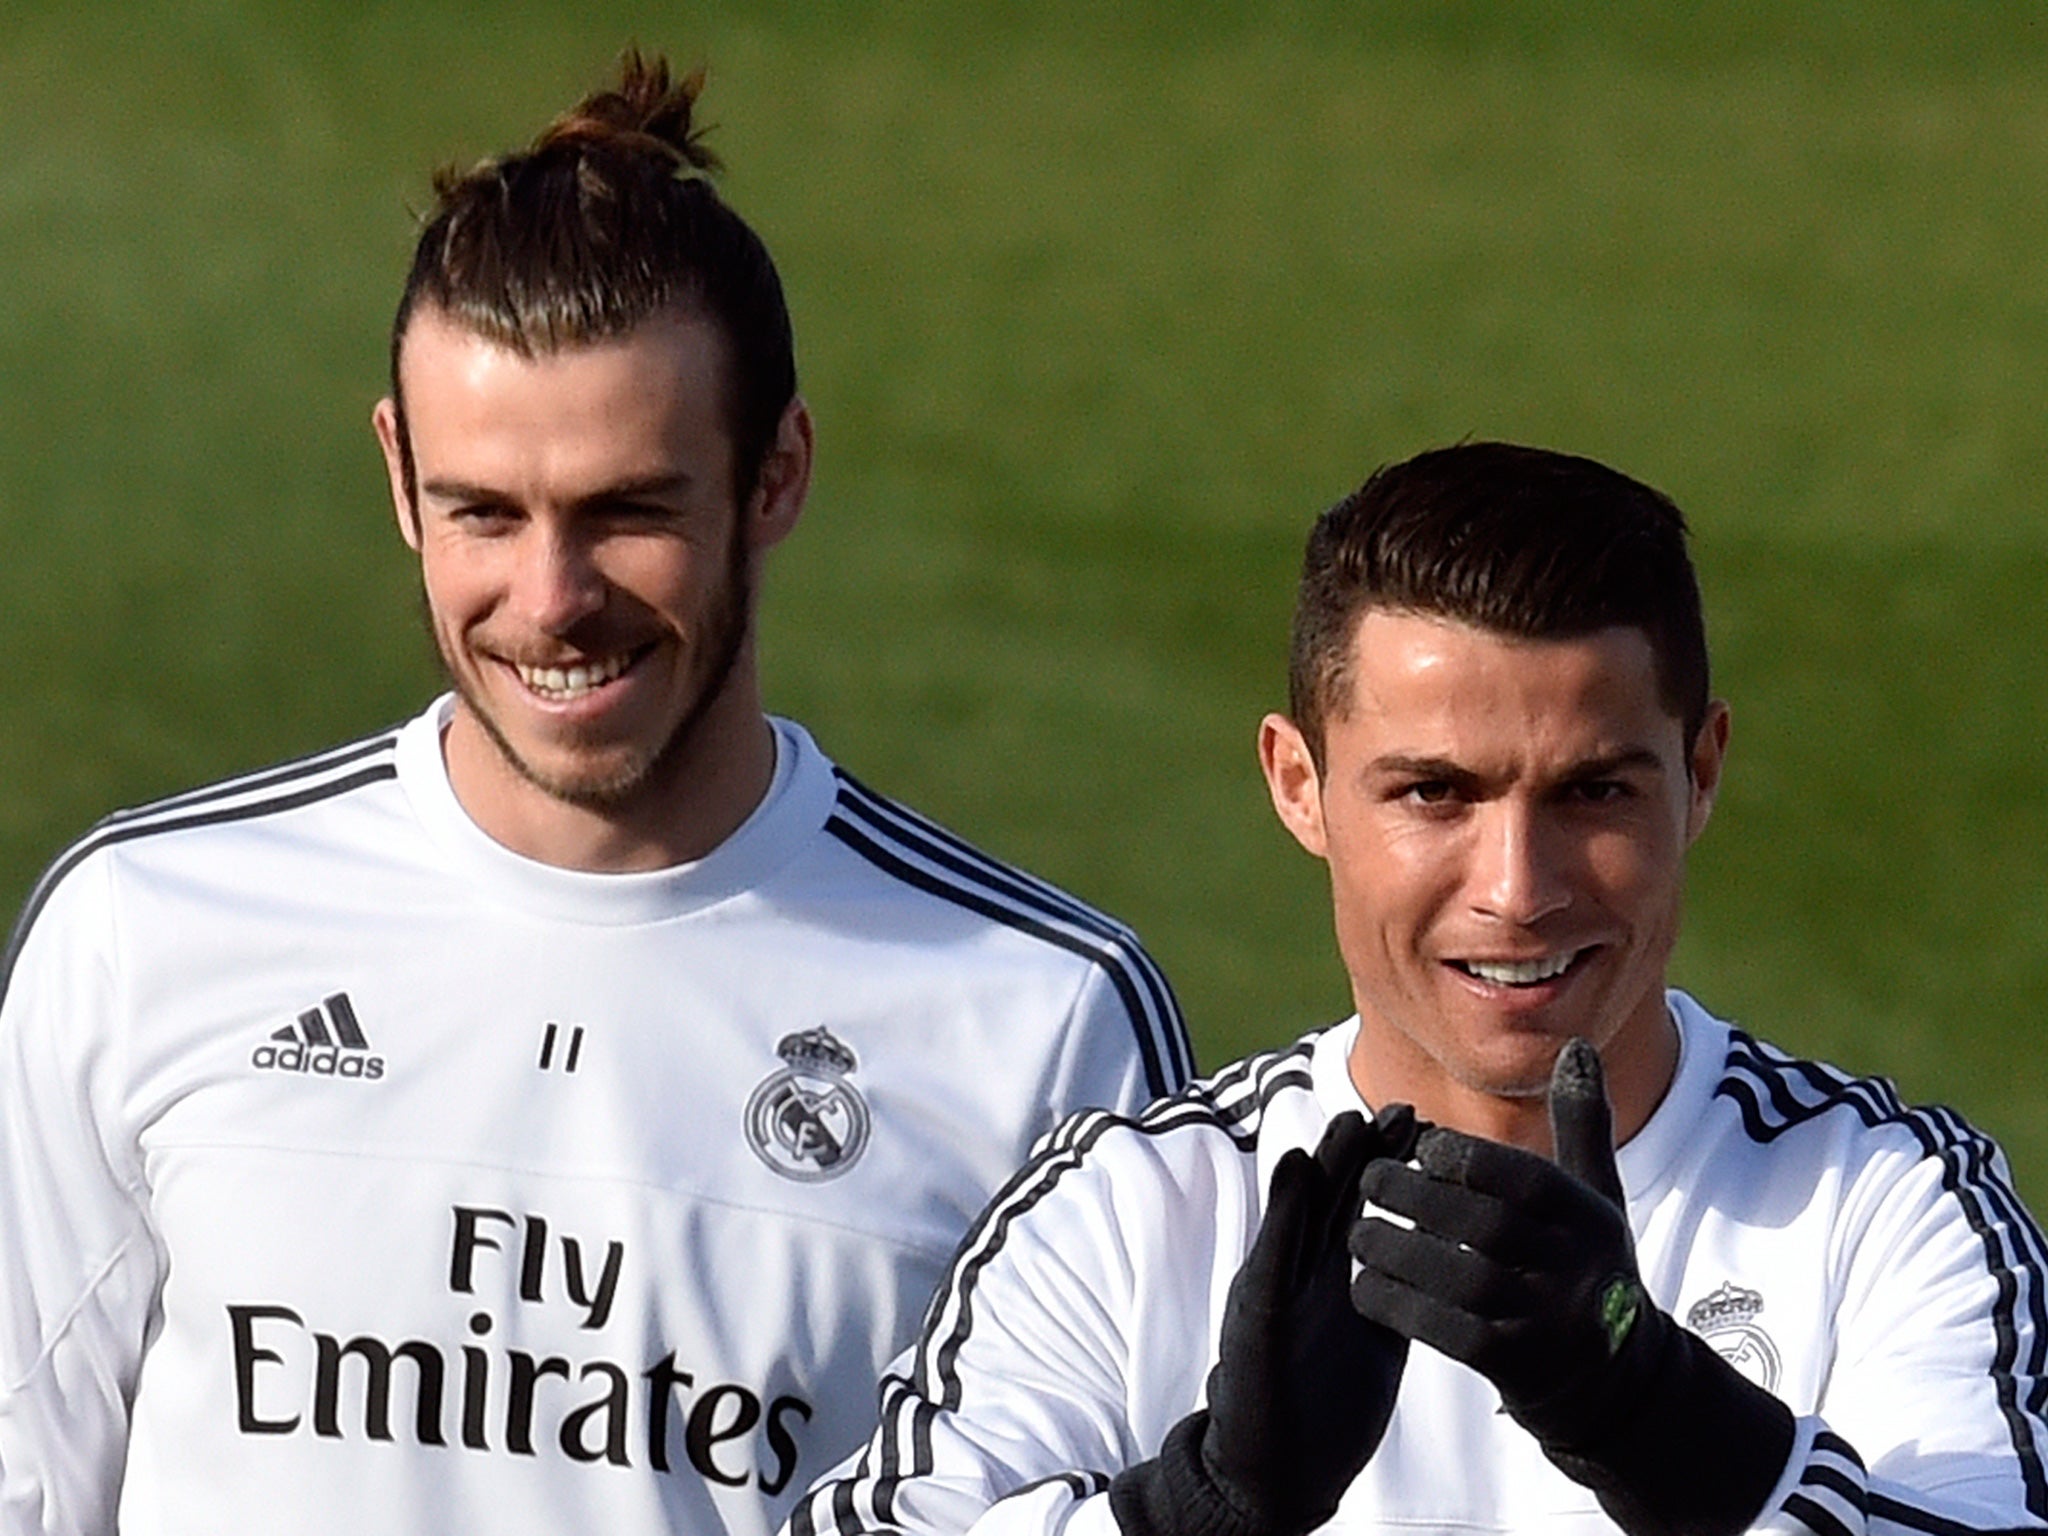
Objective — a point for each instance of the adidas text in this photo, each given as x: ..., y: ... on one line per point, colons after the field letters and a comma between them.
x: 326, y: 1061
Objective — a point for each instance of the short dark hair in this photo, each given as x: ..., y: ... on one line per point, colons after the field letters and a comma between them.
x: 606, y: 222
x: 1521, y: 541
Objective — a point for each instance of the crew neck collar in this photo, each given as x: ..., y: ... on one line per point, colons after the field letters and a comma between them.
x: 799, y: 798
x: 1645, y: 1159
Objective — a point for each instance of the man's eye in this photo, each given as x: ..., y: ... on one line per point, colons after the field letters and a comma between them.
x: 639, y: 514
x: 1430, y: 792
x: 482, y: 516
x: 1601, y: 791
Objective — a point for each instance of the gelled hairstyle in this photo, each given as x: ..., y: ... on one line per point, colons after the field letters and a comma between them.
x: 608, y: 221
x: 1522, y: 542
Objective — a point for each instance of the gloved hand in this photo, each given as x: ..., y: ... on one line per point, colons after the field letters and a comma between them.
x: 1525, y: 1270
x: 1303, y: 1386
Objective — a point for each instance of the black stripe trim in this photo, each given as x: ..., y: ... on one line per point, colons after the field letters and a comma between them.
x: 1970, y: 1173
x: 108, y: 836
x: 802, y: 1518
x: 920, y: 835
x: 1814, y: 1516
x: 1827, y: 1442
x: 1915, y: 1518
x: 1897, y: 1513
x: 800, y: 1523
x: 1233, y: 1101
x: 1080, y: 1484
x: 1112, y: 960
x: 1760, y: 1082
x: 266, y: 778
x: 1835, y: 1480
x: 842, y: 1507
x: 912, y: 828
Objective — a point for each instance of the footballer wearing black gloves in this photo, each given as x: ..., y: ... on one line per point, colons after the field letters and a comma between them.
x: 1817, y: 1311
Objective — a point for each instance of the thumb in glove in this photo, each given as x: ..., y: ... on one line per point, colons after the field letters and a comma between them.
x: 1524, y: 1269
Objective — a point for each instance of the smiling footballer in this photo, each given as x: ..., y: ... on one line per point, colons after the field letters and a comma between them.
x: 1531, y: 1242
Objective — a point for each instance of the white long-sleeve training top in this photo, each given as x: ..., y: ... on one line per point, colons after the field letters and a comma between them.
x: 357, y: 1175
x: 1867, y: 1262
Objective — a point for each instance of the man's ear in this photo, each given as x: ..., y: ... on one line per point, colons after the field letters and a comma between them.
x: 385, y: 419
x: 784, y: 481
x: 1293, y: 781
x: 1709, y: 753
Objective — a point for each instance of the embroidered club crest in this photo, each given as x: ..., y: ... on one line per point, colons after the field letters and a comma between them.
x: 1727, y: 1320
x: 807, y: 1121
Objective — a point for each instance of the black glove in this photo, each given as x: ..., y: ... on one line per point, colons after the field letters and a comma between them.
x: 1525, y: 1270
x: 1303, y: 1386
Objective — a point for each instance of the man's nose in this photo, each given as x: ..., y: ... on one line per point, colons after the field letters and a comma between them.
x: 1519, y: 869
x: 557, y: 583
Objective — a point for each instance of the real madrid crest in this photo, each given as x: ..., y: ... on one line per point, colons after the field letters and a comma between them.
x: 807, y: 1121
x: 1727, y: 1320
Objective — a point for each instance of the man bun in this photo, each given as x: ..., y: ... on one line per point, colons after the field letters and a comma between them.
x: 647, y: 110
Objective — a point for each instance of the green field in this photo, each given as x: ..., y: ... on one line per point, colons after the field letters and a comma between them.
x: 1094, y: 317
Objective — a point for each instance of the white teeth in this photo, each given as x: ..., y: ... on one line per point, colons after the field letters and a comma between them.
x: 572, y: 682
x: 1519, y: 973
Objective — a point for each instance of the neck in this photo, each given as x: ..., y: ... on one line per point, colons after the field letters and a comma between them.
x: 696, y: 796
x: 1640, y: 1059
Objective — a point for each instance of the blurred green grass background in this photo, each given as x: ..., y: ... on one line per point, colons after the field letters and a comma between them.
x: 1094, y: 315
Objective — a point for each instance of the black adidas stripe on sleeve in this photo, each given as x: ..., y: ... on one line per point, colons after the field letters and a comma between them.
x: 268, y: 792
x: 1774, y: 1093
x: 917, y: 851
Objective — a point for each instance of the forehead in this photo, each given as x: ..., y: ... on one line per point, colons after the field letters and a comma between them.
x: 1423, y: 686
x: 671, y: 357
x: 655, y: 391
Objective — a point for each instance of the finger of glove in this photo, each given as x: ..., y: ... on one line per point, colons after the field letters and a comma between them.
x: 1293, y: 1201
x: 1422, y: 1313
x: 1348, y: 1144
x: 1464, y: 1279
x: 1454, y: 1211
x: 1534, y: 1186
x: 1396, y: 1127
x: 1581, y: 1122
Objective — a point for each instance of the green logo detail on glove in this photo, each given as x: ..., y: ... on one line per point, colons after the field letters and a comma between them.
x: 1621, y: 1303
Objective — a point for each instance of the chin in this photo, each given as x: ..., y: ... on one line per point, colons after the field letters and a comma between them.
x: 1534, y: 1086
x: 1518, y: 1068
x: 598, y: 786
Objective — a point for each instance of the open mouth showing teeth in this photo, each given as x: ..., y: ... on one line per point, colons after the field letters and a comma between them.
x: 573, y: 682
x: 1519, y: 973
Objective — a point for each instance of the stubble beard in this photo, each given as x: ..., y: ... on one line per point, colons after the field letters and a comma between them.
x: 722, y: 636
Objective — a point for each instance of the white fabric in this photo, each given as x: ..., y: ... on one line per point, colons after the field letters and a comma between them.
x: 218, y: 1217
x: 1866, y: 1262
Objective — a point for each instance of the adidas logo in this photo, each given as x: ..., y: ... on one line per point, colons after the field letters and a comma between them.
x: 326, y: 1041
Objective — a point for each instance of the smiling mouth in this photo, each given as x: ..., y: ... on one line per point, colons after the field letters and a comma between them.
x: 1521, y: 973
x: 573, y: 682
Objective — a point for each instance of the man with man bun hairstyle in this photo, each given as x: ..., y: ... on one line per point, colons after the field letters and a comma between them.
x: 547, y: 1115
x: 1598, y: 1260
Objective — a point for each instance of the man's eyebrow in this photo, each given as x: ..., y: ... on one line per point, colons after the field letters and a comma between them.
x: 459, y: 490
x: 662, y: 484
x: 1401, y: 765
x: 1618, y: 762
